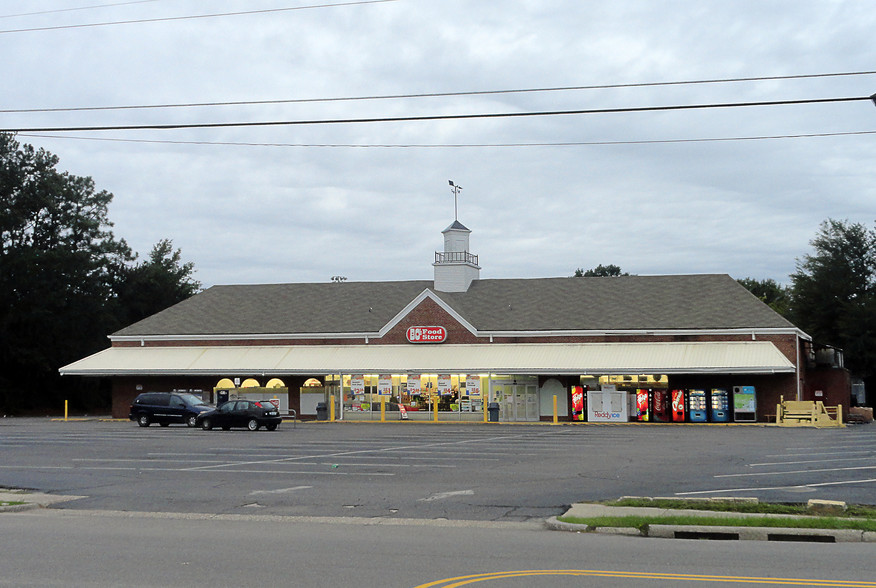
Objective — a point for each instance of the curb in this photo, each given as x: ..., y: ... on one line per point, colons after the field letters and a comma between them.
x: 715, y: 533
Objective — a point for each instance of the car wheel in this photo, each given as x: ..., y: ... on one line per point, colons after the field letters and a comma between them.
x: 192, y: 421
x: 271, y: 427
x: 143, y: 420
x: 252, y: 425
x: 207, y: 425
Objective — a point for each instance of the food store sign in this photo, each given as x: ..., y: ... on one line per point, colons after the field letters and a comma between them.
x: 427, y: 334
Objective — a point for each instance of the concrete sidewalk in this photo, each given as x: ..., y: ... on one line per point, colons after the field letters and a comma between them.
x: 725, y: 533
x: 29, y: 500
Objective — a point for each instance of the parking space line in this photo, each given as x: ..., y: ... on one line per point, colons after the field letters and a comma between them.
x: 789, y: 487
x: 794, y: 472
x: 776, y: 463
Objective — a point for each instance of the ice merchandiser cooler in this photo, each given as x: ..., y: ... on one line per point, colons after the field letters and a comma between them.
x: 697, y: 409
x: 660, y: 406
x: 719, y: 406
x: 642, y: 405
x: 678, y: 406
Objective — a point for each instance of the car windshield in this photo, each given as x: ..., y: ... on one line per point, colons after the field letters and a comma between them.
x: 192, y: 400
x: 266, y: 404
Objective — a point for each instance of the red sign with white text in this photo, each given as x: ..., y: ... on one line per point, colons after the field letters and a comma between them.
x: 427, y: 334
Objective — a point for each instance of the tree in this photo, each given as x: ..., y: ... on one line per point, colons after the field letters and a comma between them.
x: 600, y: 271
x: 834, y: 292
x: 777, y: 296
x: 156, y: 284
x: 66, y: 282
x: 59, y: 265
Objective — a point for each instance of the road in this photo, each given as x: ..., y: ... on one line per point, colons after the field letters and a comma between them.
x: 97, y: 549
x: 407, y: 504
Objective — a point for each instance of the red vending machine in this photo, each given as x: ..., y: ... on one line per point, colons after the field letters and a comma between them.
x: 678, y: 406
x: 578, y: 403
x: 660, y: 405
x: 642, y: 404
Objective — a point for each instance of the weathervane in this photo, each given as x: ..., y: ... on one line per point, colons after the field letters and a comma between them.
x: 455, y: 190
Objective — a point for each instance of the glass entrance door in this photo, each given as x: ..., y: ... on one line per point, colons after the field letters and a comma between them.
x: 518, y: 401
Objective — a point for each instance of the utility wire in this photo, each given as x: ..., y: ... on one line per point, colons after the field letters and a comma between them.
x: 437, y: 94
x: 434, y: 117
x: 456, y: 145
x: 74, y: 9
x: 192, y: 17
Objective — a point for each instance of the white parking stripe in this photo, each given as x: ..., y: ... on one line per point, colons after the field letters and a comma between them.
x: 794, y: 472
x: 763, y: 488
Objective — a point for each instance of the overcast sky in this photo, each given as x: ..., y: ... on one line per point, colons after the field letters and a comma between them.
x: 543, y: 195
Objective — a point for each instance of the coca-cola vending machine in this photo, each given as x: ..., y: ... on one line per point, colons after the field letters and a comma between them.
x: 660, y: 406
x: 678, y: 411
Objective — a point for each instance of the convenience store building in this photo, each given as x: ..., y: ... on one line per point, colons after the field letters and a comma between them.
x: 456, y: 343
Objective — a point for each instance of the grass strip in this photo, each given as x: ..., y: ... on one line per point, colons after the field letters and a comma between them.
x: 642, y: 522
x: 853, y: 510
x: 10, y: 503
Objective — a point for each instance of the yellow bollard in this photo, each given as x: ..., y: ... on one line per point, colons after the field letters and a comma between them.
x: 485, y: 410
x: 65, y: 411
x: 555, y: 409
x: 332, y: 408
x: 383, y: 409
x: 435, y: 408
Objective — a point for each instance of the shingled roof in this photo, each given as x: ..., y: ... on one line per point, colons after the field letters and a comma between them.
x: 681, y: 302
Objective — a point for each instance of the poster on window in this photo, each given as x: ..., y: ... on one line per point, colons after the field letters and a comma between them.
x: 357, y: 384
x: 384, y: 385
x: 444, y: 384
x: 473, y: 386
x: 413, y: 385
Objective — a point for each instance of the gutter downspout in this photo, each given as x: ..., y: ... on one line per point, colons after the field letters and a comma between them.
x: 799, y: 374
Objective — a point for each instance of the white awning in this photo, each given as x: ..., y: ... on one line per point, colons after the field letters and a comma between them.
x: 736, y: 357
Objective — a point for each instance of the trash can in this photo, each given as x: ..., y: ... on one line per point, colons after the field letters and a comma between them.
x: 493, y: 409
x: 321, y: 411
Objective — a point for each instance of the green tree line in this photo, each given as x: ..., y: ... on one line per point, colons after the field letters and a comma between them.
x: 831, y: 296
x: 66, y: 281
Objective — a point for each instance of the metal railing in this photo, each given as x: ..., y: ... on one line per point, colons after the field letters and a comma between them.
x: 455, y: 257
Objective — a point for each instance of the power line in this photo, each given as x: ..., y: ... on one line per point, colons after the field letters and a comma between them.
x: 458, y: 145
x: 434, y: 117
x: 77, y: 8
x: 437, y: 94
x: 192, y: 17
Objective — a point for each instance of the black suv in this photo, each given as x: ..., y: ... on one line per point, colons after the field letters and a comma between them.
x: 167, y: 407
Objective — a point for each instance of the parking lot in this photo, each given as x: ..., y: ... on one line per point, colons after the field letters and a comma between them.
x: 421, y: 470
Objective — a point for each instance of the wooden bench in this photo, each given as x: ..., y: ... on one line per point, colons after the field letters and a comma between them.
x: 808, y: 413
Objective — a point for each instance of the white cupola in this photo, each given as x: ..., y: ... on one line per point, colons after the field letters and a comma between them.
x: 455, y: 268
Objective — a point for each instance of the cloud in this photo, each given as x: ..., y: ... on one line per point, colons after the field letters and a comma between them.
x: 282, y: 213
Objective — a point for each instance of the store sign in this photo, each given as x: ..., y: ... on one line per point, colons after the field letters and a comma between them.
x: 427, y: 334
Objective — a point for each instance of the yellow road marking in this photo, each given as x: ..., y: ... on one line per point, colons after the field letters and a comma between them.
x: 472, y: 579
